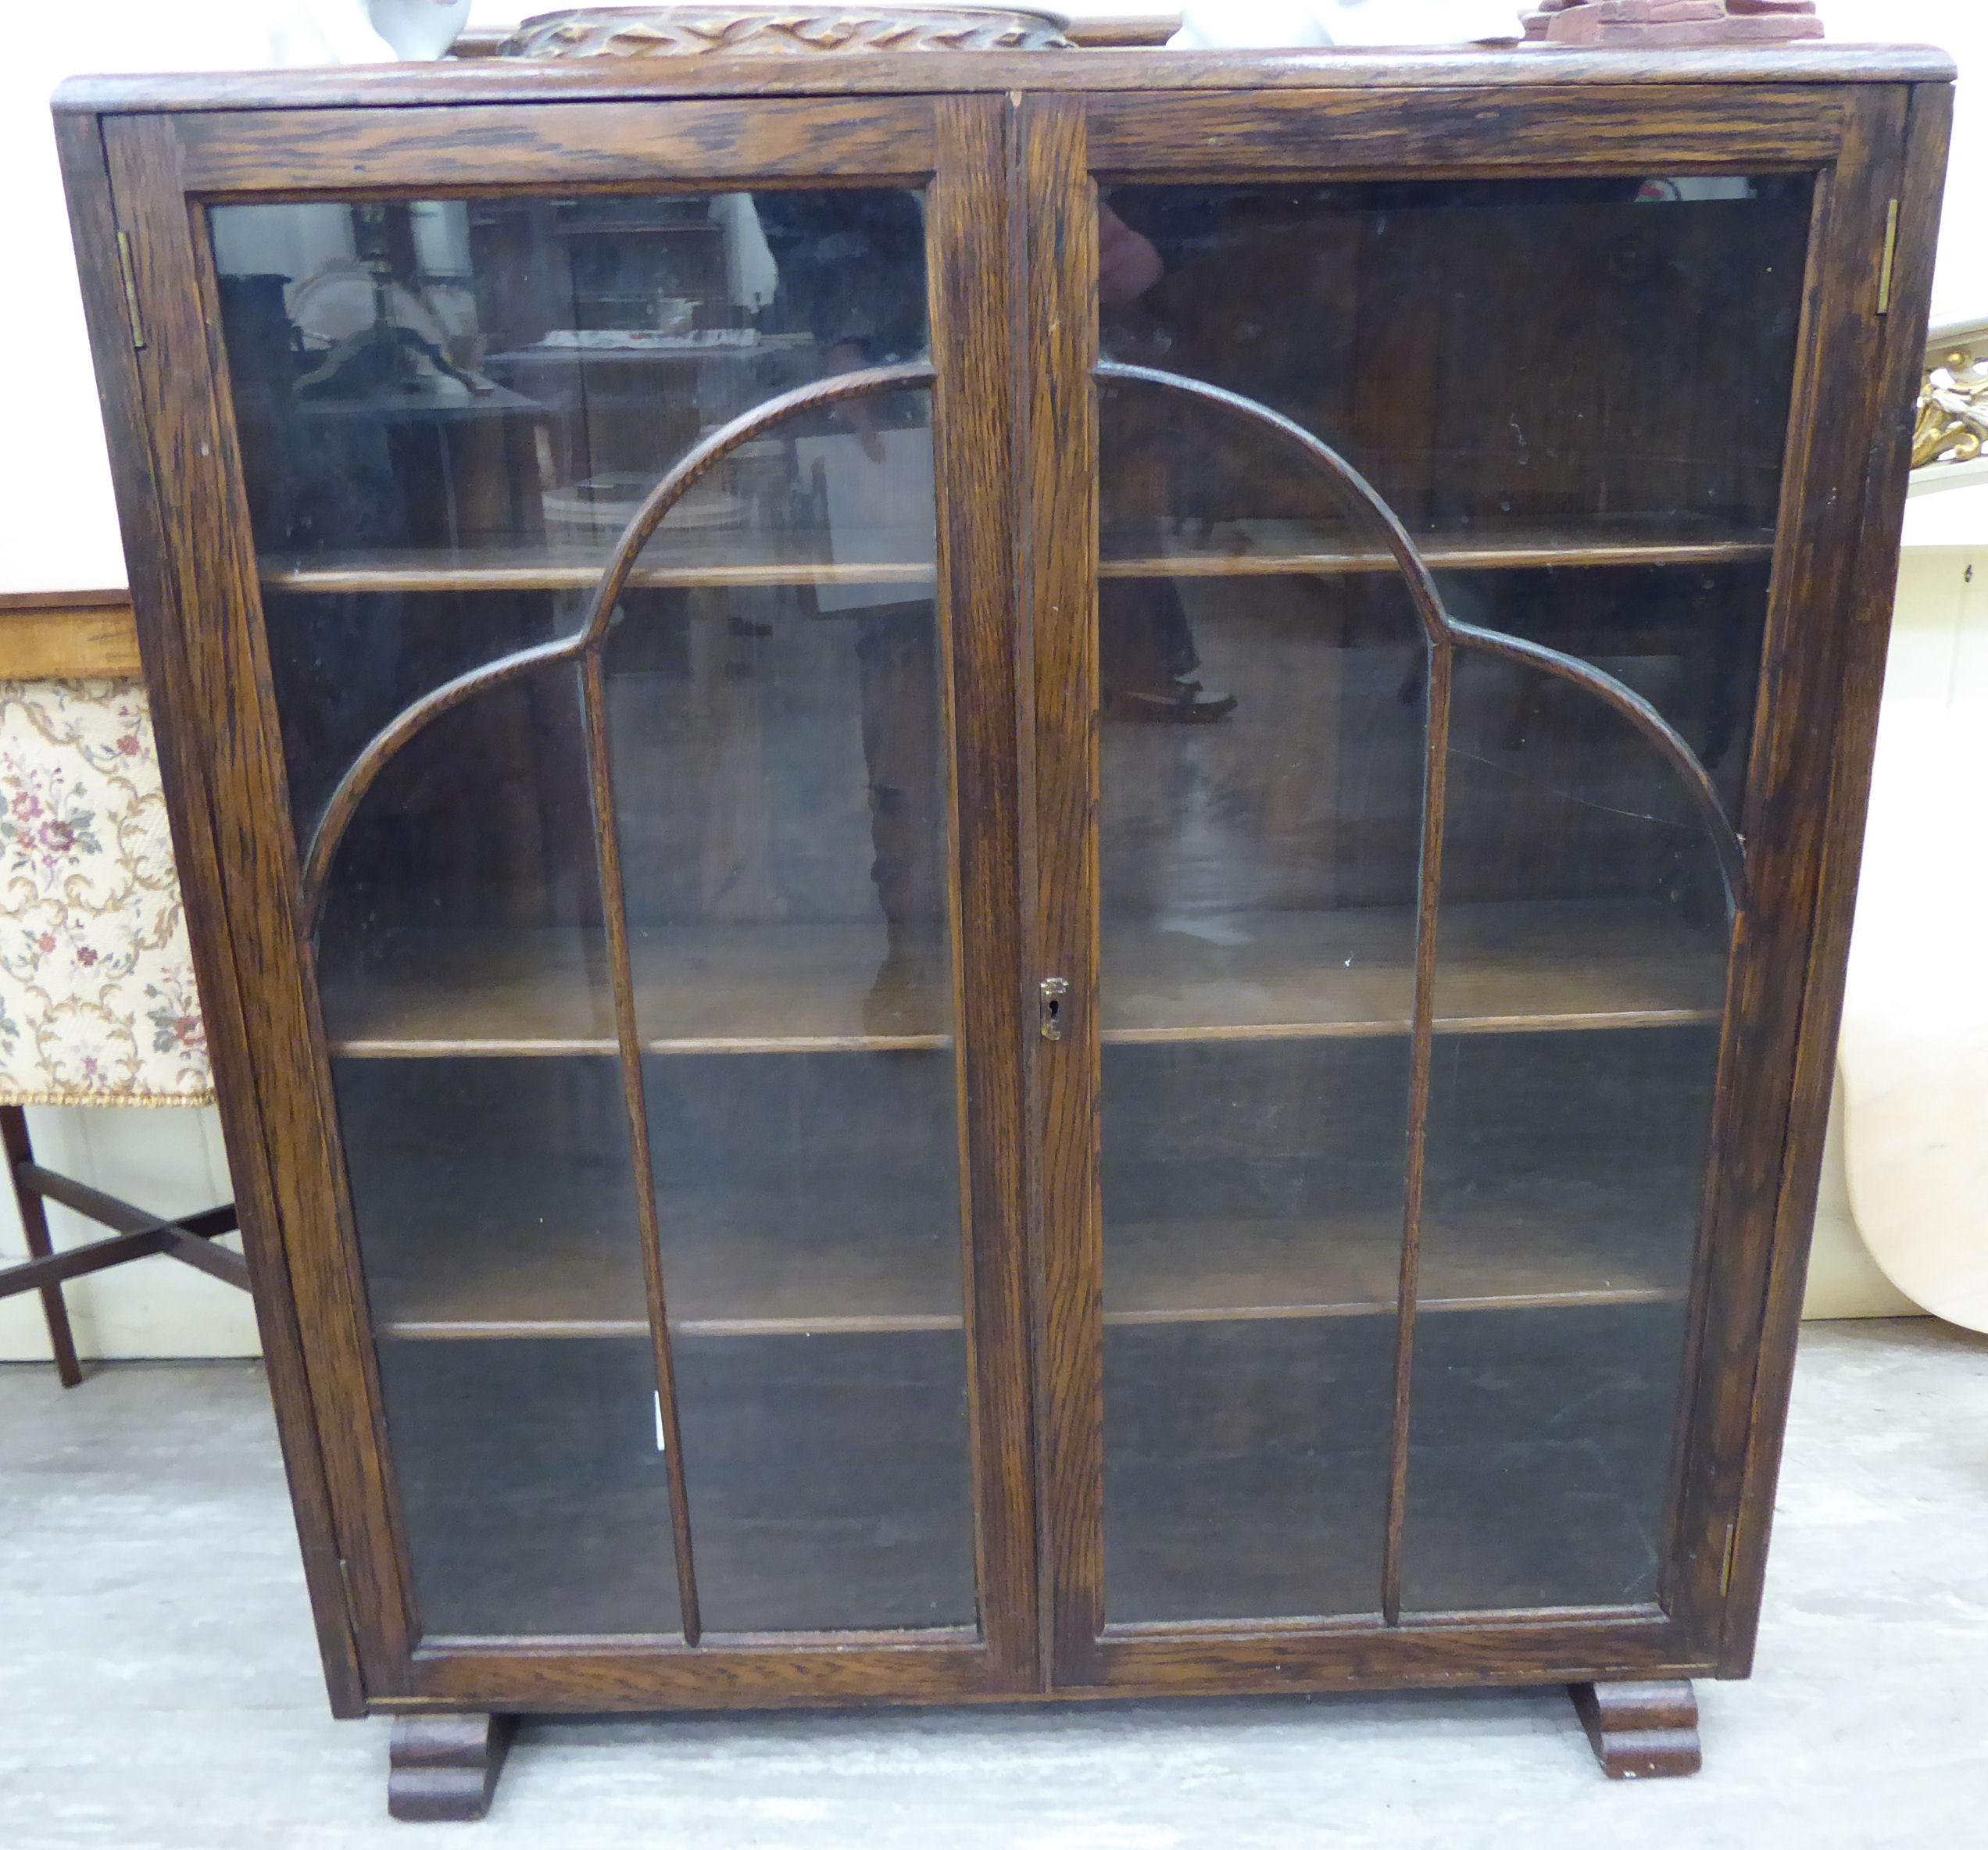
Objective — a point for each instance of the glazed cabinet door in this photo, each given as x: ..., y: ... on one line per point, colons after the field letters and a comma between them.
x: 1429, y: 894
x: 621, y: 482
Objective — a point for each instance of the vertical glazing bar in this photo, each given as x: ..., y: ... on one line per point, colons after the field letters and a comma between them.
x: 1435, y: 776
x: 607, y: 843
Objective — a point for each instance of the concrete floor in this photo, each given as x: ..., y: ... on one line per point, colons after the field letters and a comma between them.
x: 158, y: 1685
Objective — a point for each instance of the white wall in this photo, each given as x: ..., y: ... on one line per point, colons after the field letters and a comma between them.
x: 1960, y: 285
x: 58, y: 532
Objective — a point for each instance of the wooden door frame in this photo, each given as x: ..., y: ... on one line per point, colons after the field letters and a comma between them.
x: 140, y: 184
x: 1868, y: 145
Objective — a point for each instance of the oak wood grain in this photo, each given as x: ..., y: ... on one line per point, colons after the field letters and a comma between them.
x: 557, y: 1675
x: 1420, y: 1652
x: 1797, y: 742
x: 1349, y: 133
x: 1058, y: 265
x: 1640, y: 1730
x: 690, y: 144
x: 1012, y: 228
x: 444, y: 1768
x: 973, y: 320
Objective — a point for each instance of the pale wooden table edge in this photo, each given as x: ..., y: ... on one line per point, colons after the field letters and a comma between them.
x: 68, y: 635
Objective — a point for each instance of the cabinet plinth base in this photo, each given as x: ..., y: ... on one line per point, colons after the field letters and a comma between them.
x: 443, y: 1768
x: 1640, y: 1730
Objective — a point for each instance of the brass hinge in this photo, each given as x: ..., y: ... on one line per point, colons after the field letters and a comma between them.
x: 1726, y: 1566
x: 1890, y: 258
x: 130, y: 287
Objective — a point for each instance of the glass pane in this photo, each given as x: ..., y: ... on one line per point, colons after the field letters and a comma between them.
x: 781, y: 799
x: 485, y: 1135
x: 1565, y: 1165
x: 449, y: 411
x: 530, y: 1488
x: 1574, y: 394
x: 1262, y: 742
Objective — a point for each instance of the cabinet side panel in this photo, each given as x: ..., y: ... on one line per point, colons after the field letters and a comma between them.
x: 200, y: 639
x: 94, y: 225
x: 1891, y: 378
x: 1801, y: 709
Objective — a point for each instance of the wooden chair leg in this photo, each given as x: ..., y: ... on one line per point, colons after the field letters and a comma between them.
x: 34, y: 1224
x: 1640, y: 1730
x: 442, y: 1769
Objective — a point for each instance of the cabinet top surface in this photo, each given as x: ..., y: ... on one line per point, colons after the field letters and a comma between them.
x: 497, y: 80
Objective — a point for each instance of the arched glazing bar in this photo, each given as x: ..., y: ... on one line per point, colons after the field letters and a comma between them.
x: 1439, y: 627
x: 585, y: 648
x: 1443, y: 635
x: 697, y: 462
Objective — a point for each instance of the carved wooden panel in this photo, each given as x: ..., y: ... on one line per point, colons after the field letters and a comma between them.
x: 779, y: 31
x: 1635, y: 22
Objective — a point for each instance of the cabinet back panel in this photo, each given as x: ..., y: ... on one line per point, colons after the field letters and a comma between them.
x: 1539, y: 1456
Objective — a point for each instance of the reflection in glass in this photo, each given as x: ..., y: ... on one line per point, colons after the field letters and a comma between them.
x: 449, y: 412
x: 452, y: 396
x: 495, y: 1223
x: 782, y: 806
x: 1260, y: 740
x: 1572, y: 1162
x: 1263, y: 687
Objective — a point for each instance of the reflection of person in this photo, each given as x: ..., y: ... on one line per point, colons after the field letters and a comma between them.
x: 851, y: 274
x: 1146, y: 649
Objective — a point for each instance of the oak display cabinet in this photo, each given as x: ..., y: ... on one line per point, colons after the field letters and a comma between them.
x: 1019, y: 875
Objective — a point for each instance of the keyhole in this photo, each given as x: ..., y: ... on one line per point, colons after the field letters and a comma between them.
x: 1053, y: 989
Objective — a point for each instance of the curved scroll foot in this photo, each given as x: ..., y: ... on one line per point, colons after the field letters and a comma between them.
x: 1640, y: 1730
x: 443, y: 1768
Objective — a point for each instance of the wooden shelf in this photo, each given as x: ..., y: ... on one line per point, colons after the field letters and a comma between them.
x: 704, y: 556
x: 711, y: 989
x: 1507, y: 968
x: 1540, y: 1244
x: 1501, y: 968
x: 740, y: 1262
x: 1287, y: 548
x: 1235, y: 548
x: 734, y: 1265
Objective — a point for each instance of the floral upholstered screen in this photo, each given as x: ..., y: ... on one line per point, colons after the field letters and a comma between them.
x: 97, y: 999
